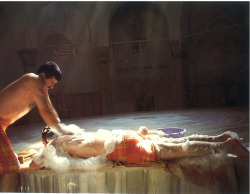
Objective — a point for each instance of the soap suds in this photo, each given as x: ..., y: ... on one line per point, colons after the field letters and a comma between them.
x: 233, y: 134
x: 61, y: 161
x: 232, y: 155
x: 186, y: 145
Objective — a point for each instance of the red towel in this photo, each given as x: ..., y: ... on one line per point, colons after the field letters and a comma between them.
x: 134, y: 149
x: 3, y: 125
x: 8, y: 160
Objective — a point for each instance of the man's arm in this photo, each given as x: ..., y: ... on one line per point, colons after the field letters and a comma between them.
x: 46, y: 109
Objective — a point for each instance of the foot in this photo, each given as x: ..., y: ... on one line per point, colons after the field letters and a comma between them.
x: 233, y: 146
x: 225, y: 136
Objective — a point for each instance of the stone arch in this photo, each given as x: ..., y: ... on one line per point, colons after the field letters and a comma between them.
x: 139, y: 54
x: 66, y: 19
x: 136, y: 29
x: 63, y: 27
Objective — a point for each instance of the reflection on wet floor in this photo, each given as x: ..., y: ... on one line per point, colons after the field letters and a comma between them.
x: 195, y: 121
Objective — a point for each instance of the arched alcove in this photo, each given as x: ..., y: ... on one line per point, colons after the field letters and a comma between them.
x: 142, y: 59
x: 63, y: 18
x: 63, y: 27
x: 65, y: 37
x: 138, y: 37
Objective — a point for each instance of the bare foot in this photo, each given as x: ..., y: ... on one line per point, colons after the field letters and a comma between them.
x: 225, y: 136
x: 233, y: 146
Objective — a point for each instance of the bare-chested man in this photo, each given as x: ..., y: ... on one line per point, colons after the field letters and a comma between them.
x: 16, y: 100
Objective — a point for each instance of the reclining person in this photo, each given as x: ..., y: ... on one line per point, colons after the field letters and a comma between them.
x: 140, y: 147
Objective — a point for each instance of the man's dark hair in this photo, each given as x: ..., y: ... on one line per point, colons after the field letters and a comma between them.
x: 50, y: 69
x: 47, y: 135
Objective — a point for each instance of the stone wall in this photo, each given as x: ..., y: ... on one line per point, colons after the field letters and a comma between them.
x: 139, y: 56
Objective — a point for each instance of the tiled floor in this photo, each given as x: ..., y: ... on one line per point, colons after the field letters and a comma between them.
x: 195, y: 121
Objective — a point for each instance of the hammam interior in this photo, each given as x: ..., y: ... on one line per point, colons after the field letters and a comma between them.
x: 173, y: 73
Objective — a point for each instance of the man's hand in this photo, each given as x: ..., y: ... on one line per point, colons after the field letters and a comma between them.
x: 143, y: 130
x: 71, y: 129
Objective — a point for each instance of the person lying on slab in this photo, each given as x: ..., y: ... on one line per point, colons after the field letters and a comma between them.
x: 141, y: 147
x: 204, y: 160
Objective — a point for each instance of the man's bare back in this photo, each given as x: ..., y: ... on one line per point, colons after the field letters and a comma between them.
x: 18, y: 99
x: 21, y: 96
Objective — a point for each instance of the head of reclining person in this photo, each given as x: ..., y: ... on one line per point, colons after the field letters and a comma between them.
x: 47, y: 135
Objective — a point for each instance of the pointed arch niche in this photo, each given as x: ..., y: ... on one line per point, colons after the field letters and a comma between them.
x: 143, y: 70
x: 63, y: 18
x: 139, y: 38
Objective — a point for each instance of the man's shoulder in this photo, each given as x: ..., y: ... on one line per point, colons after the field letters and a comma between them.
x: 30, y: 76
x: 30, y: 79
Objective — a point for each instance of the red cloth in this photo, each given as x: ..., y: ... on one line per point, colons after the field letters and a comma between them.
x: 134, y: 149
x: 8, y: 160
x: 3, y: 125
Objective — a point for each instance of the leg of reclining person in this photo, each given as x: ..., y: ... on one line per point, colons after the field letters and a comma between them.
x: 219, y: 138
x: 198, y: 148
x: 178, y: 150
x: 205, y: 138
